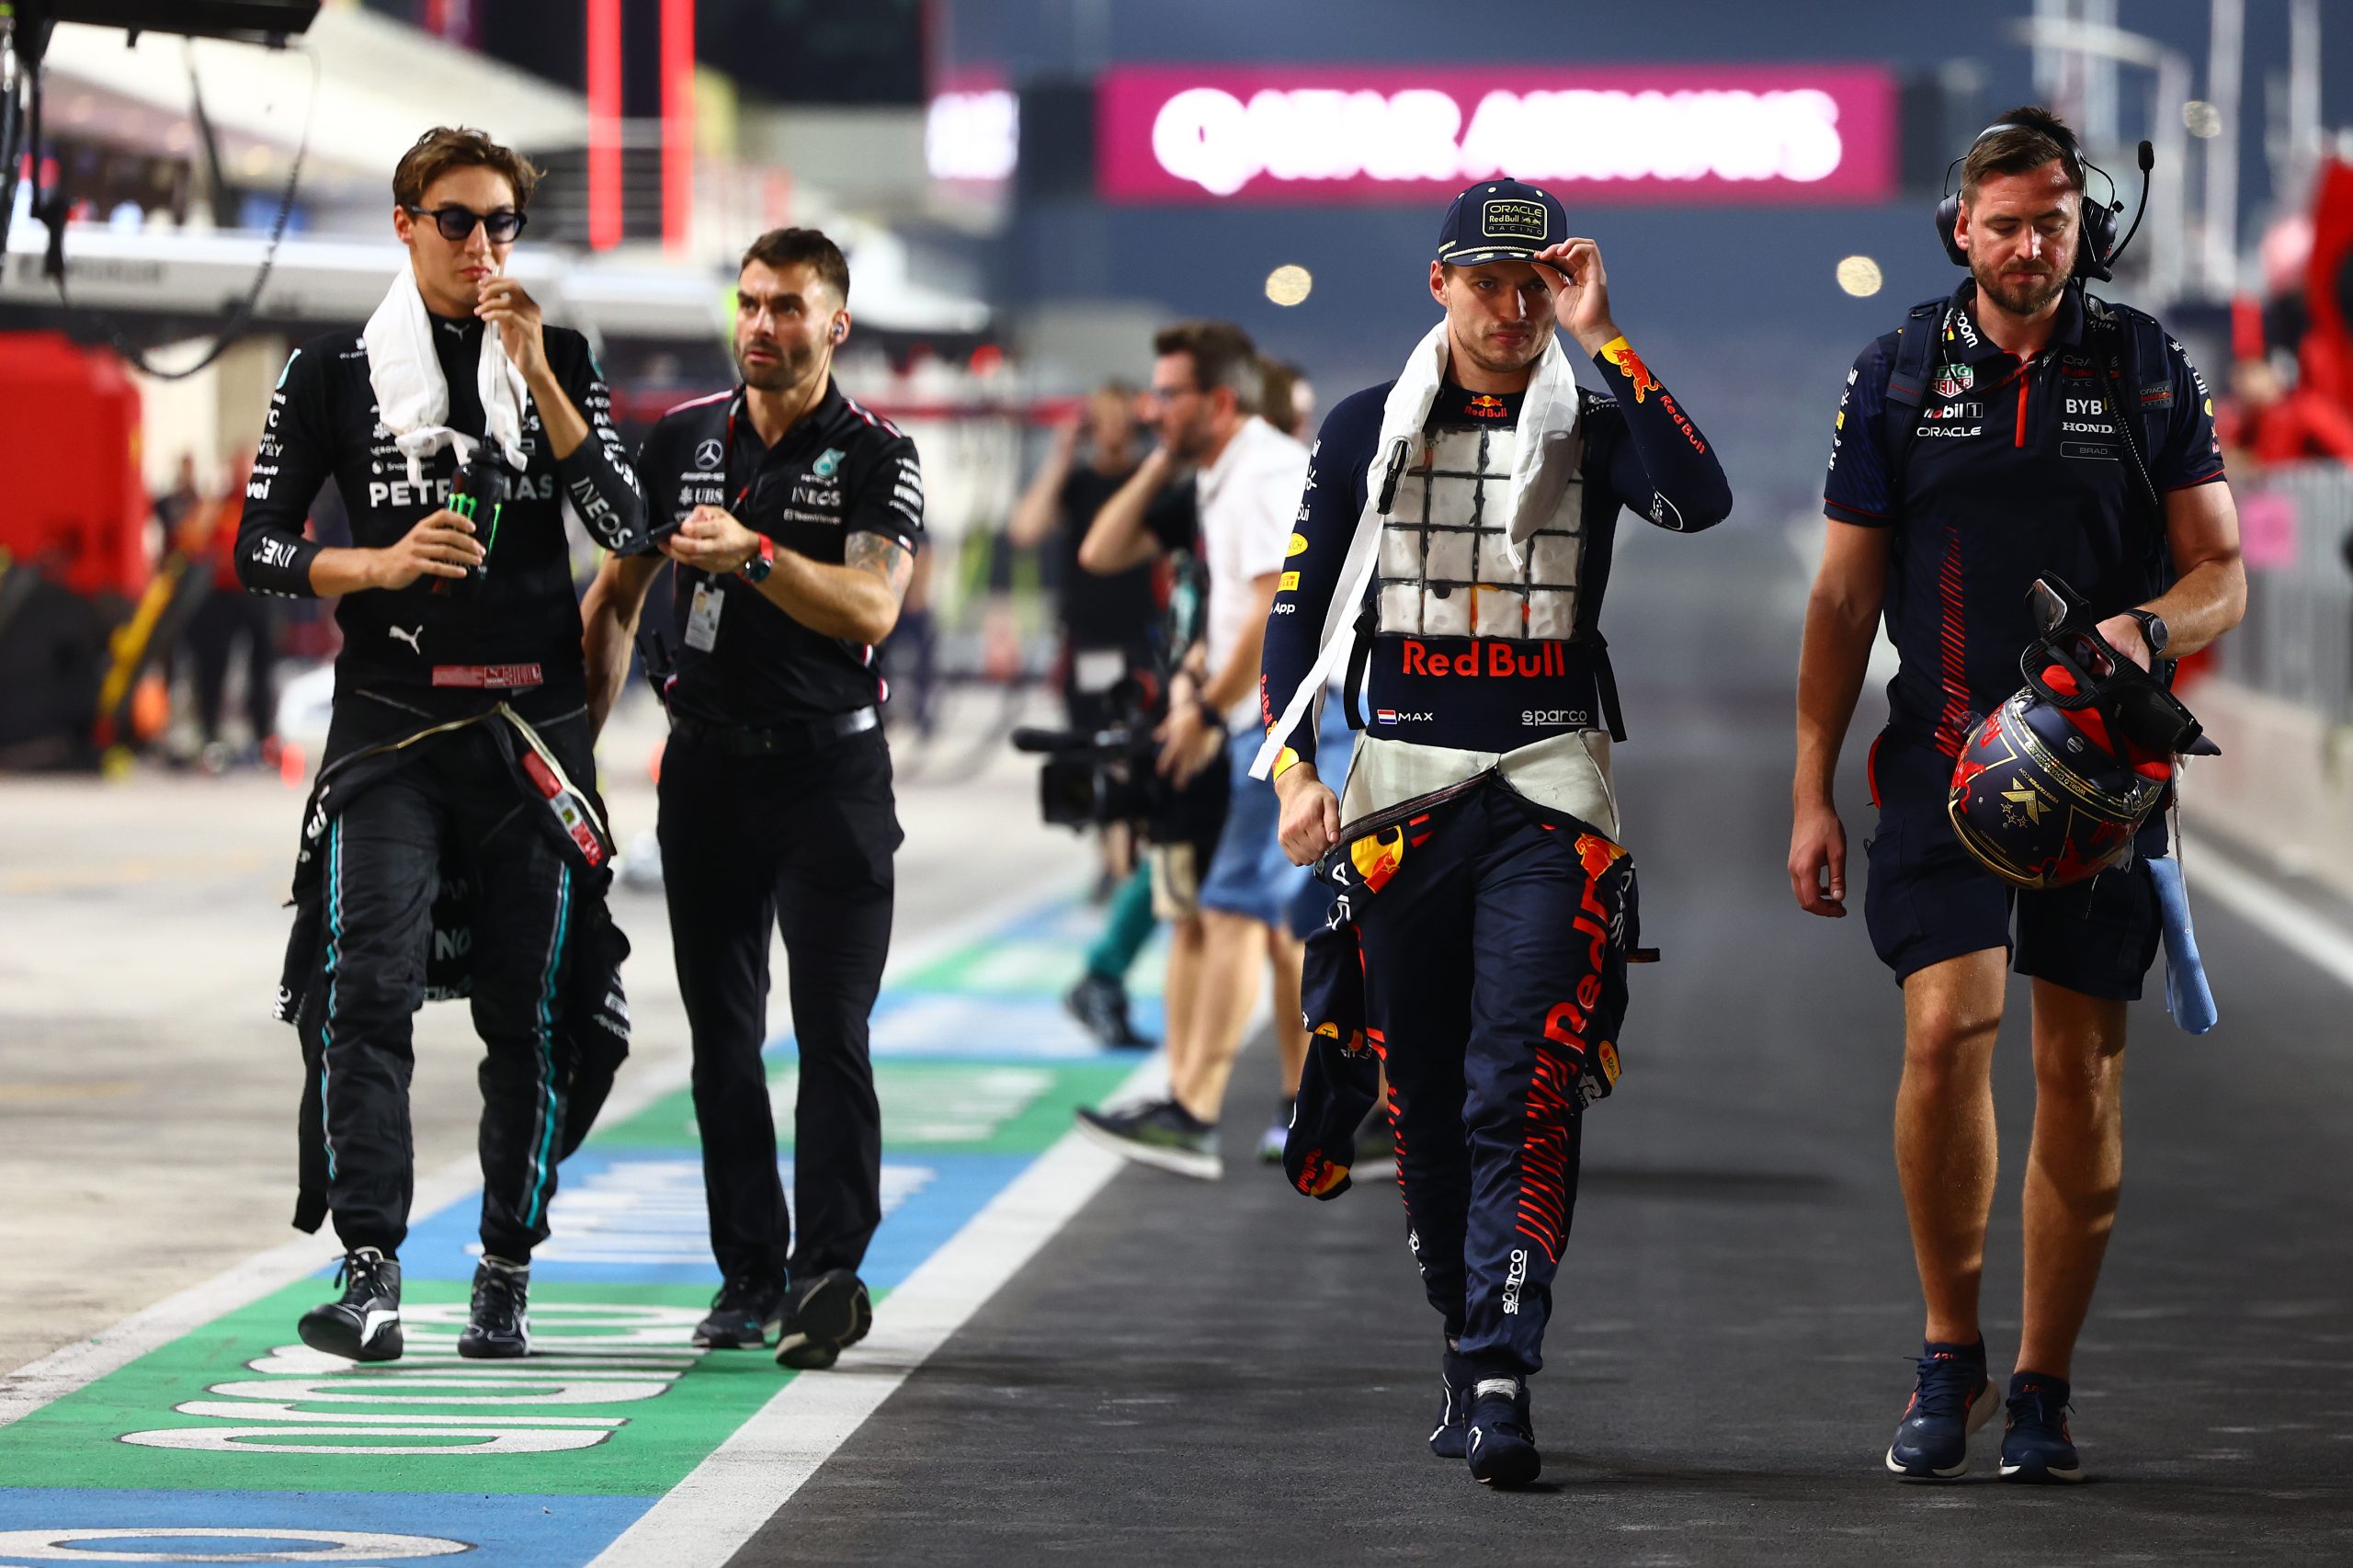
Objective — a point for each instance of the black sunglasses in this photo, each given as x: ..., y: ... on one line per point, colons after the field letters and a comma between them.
x: 457, y: 223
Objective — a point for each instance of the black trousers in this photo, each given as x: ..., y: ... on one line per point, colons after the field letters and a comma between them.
x: 385, y: 852
x: 802, y: 843
x: 1487, y: 993
x: 219, y: 620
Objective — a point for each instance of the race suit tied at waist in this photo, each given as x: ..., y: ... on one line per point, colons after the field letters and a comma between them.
x: 592, y: 1024
x: 1340, y: 1084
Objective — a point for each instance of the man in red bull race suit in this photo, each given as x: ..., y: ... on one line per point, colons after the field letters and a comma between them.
x: 1456, y: 534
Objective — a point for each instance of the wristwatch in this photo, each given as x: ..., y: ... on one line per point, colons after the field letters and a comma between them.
x: 2153, y: 627
x: 757, y: 569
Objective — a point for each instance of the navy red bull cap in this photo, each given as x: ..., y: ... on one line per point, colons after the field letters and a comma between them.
x: 1500, y: 219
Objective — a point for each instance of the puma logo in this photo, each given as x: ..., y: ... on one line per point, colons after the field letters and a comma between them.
x: 410, y: 638
x: 375, y: 1323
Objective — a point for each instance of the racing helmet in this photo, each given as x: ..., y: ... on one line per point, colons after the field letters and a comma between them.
x: 2050, y: 787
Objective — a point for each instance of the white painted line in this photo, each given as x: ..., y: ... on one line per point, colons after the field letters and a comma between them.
x: 708, y: 1515
x: 75, y: 1366
x: 2275, y: 912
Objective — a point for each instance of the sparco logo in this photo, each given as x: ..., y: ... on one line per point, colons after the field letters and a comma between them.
x: 1514, y: 1280
x: 1575, y: 716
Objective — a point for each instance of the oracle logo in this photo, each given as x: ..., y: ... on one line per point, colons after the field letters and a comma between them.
x: 1389, y: 134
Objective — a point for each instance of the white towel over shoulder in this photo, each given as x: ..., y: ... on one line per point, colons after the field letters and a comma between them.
x: 1548, y: 422
x: 413, y: 396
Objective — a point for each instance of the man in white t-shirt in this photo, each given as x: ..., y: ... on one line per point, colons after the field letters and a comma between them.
x: 1206, y: 386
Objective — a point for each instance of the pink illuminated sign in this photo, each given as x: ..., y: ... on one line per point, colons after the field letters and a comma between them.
x: 1371, y: 134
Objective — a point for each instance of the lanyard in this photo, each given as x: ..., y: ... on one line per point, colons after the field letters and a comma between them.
x: 727, y: 461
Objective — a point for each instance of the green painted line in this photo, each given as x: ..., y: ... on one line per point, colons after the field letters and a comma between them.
x: 615, y: 1400
x: 673, y: 1404
x: 927, y: 1107
x: 1041, y: 969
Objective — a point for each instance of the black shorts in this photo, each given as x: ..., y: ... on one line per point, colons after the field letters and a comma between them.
x: 1930, y: 900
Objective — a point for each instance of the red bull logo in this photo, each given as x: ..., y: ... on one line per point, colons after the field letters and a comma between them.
x: 1352, y: 1046
x: 1622, y: 354
x: 1487, y: 407
x: 1376, y: 857
x: 1318, y: 1175
x: 1484, y: 659
x: 1597, y: 854
x: 1608, y: 1055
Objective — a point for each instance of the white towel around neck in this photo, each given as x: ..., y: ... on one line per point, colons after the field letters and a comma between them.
x: 1548, y: 422
x: 413, y: 396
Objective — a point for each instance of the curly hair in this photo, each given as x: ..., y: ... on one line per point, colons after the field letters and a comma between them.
x: 446, y: 147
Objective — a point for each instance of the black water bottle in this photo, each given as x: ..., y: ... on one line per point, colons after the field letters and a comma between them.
x: 479, y: 497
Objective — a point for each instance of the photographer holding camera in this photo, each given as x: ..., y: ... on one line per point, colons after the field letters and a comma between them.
x: 795, y: 516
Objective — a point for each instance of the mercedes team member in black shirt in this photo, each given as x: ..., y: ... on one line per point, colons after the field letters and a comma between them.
x: 795, y: 516
x: 429, y: 652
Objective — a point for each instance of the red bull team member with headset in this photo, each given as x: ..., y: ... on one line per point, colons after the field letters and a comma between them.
x: 1977, y: 451
x: 1460, y: 521
x: 795, y: 516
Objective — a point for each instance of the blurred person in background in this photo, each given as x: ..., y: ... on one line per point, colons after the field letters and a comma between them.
x: 168, y: 507
x: 795, y: 516
x: 1942, y: 514
x: 1206, y: 387
x: 1107, y: 621
x: 1456, y: 536
x: 1291, y: 398
x: 461, y: 643
x: 207, y: 535
x: 2269, y: 419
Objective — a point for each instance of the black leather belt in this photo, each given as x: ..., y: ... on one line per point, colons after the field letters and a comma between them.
x: 775, y: 740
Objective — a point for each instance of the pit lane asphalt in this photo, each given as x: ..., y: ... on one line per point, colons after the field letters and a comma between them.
x: 1194, y: 1372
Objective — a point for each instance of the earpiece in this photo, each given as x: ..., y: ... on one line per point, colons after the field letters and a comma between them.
x: 841, y: 330
x: 2095, y: 255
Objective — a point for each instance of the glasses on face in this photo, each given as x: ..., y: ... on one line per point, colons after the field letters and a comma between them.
x: 457, y: 223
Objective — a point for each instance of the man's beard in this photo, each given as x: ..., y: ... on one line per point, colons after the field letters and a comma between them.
x: 2026, y: 299
x: 1187, y: 442
x: 789, y: 370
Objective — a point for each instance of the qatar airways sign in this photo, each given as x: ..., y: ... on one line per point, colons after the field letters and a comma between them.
x: 1396, y: 133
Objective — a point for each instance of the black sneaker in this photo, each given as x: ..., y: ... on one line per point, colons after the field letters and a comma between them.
x: 498, y: 1326
x: 1099, y: 1003
x: 1450, y: 1438
x: 365, y: 1325
x: 1164, y: 1134
x: 746, y: 1315
x: 1951, y: 1399
x: 1501, y: 1445
x: 2036, y: 1444
x: 822, y: 1318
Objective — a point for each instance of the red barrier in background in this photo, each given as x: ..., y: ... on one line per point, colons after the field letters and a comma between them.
x: 71, y: 500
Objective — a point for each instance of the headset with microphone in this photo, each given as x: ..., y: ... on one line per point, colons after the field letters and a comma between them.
x: 2096, y: 255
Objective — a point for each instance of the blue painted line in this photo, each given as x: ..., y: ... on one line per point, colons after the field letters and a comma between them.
x: 511, y: 1531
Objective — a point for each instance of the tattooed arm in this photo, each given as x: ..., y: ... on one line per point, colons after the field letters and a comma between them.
x: 858, y: 601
